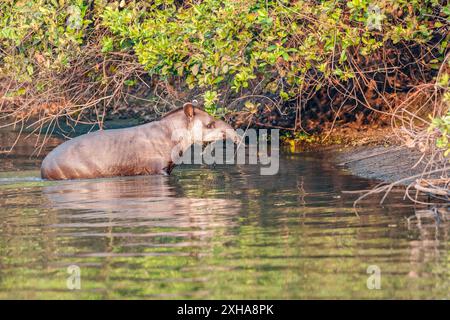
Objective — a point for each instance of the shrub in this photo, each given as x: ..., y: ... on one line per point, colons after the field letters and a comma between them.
x: 92, y: 53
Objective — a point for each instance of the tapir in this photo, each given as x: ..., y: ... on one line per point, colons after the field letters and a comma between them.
x: 151, y: 148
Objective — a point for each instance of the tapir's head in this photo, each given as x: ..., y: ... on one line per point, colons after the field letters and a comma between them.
x: 202, y: 127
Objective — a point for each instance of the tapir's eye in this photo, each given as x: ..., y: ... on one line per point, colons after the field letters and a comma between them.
x: 210, y: 125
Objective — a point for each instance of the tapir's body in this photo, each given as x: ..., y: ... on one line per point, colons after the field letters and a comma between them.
x: 145, y: 149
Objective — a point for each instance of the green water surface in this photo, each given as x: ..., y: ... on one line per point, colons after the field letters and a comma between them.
x: 212, y: 233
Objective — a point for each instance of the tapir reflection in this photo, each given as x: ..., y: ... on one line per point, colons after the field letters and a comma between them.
x: 136, y: 201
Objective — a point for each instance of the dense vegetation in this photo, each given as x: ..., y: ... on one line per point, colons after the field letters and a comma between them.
x: 300, y: 65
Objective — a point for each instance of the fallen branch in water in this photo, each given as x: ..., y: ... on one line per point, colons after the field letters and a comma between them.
x: 386, y: 188
x: 433, y: 188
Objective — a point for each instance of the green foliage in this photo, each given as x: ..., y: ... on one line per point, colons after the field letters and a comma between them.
x: 40, y: 33
x: 211, y: 98
x: 442, y: 125
x: 213, y: 44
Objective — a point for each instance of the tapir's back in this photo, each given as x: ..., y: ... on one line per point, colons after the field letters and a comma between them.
x: 103, y: 153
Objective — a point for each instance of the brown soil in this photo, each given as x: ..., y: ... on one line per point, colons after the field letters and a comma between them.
x: 377, y: 154
x: 385, y: 163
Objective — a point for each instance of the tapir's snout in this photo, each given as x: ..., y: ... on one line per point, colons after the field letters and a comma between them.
x: 234, y: 136
x: 222, y: 131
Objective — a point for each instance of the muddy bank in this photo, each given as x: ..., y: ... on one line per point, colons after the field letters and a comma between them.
x: 384, y: 163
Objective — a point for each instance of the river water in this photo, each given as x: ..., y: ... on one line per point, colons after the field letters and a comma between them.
x: 211, y: 233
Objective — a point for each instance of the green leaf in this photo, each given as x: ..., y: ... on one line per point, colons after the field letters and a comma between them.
x: 30, y: 69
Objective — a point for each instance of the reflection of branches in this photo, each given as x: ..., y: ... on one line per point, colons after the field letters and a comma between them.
x: 301, y: 191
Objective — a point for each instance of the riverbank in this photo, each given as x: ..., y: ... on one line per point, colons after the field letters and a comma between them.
x: 385, y: 163
x: 380, y: 155
x: 372, y: 153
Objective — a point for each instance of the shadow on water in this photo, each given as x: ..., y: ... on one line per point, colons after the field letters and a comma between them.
x: 223, y: 232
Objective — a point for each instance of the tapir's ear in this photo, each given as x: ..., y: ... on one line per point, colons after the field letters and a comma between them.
x: 188, y: 109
